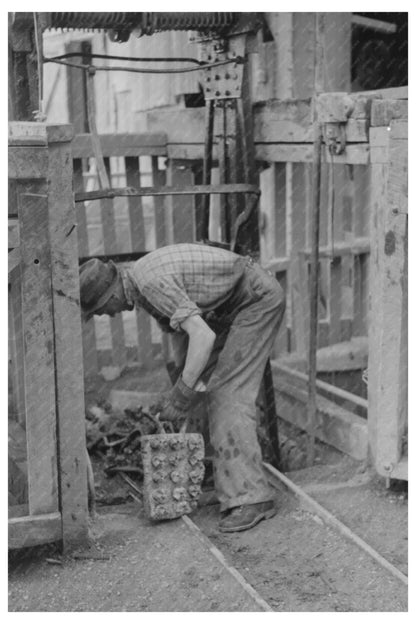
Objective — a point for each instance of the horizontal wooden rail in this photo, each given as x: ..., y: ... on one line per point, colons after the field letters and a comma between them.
x: 147, y: 144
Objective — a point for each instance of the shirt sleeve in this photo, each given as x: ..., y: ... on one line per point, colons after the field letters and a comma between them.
x: 168, y: 295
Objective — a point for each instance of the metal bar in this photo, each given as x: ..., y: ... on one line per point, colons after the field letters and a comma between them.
x: 207, y: 166
x: 167, y: 190
x: 314, y: 293
x: 103, y: 177
x: 333, y: 522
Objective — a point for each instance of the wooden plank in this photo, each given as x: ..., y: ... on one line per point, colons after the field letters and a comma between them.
x: 336, y: 426
x: 34, y: 530
x: 27, y: 133
x: 374, y: 24
x: 138, y: 243
x: 16, y: 347
x: 89, y: 345
x: 390, y: 93
x: 384, y: 111
x: 39, y: 369
x: 28, y: 162
x: 69, y: 373
x: 299, y: 378
x: 159, y: 179
x: 146, y: 144
x: 13, y: 258
x: 181, y: 226
x: 399, y: 130
x: 355, y: 246
x: 388, y: 292
x: 358, y: 154
x: 394, y: 292
x: 110, y: 247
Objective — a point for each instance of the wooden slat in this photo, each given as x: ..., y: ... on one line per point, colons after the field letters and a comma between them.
x: 138, y: 243
x: 89, y: 345
x: 39, y: 353
x: 358, y: 154
x: 69, y: 372
x: 384, y: 111
x: 13, y: 258
x: 34, y: 530
x: 110, y: 247
x: 16, y: 341
x: 181, y: 226
x: 146, y: 144
x: 337, y: 427
x: 159, y: 179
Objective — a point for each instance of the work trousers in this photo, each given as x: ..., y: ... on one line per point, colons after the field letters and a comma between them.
x: 234, y: 373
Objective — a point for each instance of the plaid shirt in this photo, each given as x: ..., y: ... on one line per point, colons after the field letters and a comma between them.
x: 183, y: 280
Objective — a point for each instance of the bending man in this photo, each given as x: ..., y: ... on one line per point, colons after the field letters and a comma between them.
x: 223, y: 312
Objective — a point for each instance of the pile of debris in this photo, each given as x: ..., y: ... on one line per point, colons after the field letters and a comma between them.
x: 115, y: 436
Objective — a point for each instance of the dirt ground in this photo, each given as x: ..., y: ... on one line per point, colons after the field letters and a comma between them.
x: 294, y: 561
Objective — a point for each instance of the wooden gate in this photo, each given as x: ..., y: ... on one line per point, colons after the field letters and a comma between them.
x: 46, y: 415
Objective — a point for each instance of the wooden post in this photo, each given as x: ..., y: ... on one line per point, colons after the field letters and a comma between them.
x: 387, y: 369
x: 39, y: 370
x: 314, y: 279
x: 68, y: 338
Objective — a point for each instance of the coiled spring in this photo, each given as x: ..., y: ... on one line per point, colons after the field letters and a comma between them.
x: 144, y: 23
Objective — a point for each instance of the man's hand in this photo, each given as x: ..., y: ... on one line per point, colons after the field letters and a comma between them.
x: 180, y: 400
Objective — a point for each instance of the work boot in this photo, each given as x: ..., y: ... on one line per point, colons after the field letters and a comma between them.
x: 246, y: 516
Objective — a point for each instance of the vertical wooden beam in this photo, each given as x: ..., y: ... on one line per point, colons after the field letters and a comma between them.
x: 159, y: 179
x: 110, y: 247
x: 181, y: 219
x: 138, y: 243
x: 89, y: 344
x: 39, y: 344
x: 298, y: 291
x: 315, y: 216
x: 388, y: 291
x: 68, y: 342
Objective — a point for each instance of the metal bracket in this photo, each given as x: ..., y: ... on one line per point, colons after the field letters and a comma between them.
x: 335, y: 137
x: 224, y: 81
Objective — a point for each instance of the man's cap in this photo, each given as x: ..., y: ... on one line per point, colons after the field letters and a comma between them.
x: 98, y: 281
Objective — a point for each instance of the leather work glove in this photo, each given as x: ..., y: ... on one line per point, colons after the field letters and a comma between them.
x: 179, y: 401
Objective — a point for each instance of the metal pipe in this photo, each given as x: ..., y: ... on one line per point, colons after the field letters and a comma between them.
x: 314, y: 292
x: 207, y: 165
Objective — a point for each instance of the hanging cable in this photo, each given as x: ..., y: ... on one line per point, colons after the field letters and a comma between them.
x: 166, y: 59
x: 176, y: 70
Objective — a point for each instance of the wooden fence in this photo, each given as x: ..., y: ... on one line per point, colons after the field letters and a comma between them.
x: 129, y: 225
x: 125, y: 225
